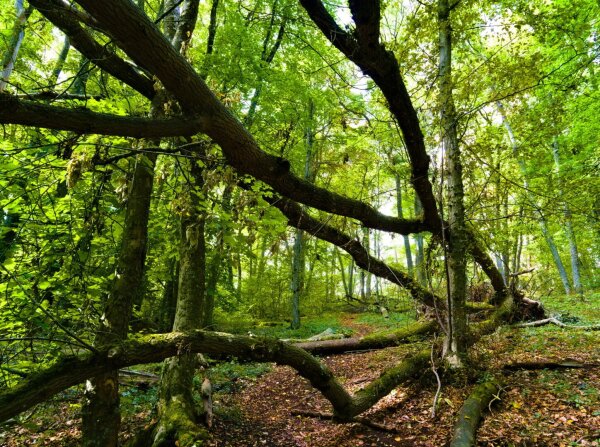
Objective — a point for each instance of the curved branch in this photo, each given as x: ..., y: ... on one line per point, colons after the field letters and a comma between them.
x: 81, y: 120
x: 61, y: 15
x: 153, y: 348
x: 300, y: 219
x: 140, y: 39
x: 364, y: 49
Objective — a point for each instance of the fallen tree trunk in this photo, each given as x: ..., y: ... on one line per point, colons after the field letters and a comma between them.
x: 471, y: 412
x: 373, y: 341
x: 73, y: 370
x: 565, y: 364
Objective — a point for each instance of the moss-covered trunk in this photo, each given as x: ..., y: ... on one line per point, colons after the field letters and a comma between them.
x: 373, y: 341
x: 177, y: 414
x: 471, y: 412
x: 100, y: 411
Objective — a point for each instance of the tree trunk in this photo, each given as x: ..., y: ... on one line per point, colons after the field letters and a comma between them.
x: 168, y: 304
x: 100, y: 411
x: 407, y: 250
x: 531, y: 198
x: 372, y: 341
x: 18, y: 33
x: 420, y: 255
x: 177, y: 415
x: 568, y: 226
x: 298, y: 260
x: 455, y: 347
x: 297, y: 278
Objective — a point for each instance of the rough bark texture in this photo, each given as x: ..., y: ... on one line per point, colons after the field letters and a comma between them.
x: 455, y: 347
x: 471, y: 412
x: 100, y: 412
x: 177, y: 414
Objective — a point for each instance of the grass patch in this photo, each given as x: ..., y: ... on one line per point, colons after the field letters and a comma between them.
x: 379, y: 323
x: 573, y: 309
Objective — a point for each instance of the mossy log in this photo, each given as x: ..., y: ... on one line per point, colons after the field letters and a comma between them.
x: 73, y: 370
x: 372, y: 341
x: 471, y: 412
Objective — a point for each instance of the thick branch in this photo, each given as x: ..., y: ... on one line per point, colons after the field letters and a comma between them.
x: 139, y: 38
x: 366, y: 16
x: 81, y: 120
x: 373, y: 341
x: 298, y: 218
x: 73, y: 370
x: 61, y: 15
x: 381, y: 65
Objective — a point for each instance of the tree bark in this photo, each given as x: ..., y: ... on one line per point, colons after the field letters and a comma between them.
x: 455, y: 347
x: 30, y: 113
x: 368, y: 342
x: 177, y: 414
x: 471, y: 413
x: 100, y: 412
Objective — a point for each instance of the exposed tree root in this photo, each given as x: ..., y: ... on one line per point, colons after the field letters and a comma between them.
x: 361, y: 420
x: 471, y: 412
x: 556, y: 322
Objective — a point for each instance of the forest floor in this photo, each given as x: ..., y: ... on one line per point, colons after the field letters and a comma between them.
x: 254, y: 403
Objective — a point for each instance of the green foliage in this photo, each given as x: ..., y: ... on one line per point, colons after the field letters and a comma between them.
x: 311, y: 325
x: 394, y: 320
x: 63, y: 196
x: 227, y: 377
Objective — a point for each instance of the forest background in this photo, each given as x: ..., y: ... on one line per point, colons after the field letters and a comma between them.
x: 120, y: 196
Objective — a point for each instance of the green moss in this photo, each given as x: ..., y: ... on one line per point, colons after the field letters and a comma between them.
x: 403, y: 334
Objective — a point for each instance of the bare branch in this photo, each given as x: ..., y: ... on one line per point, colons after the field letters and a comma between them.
x: 81, y: 120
